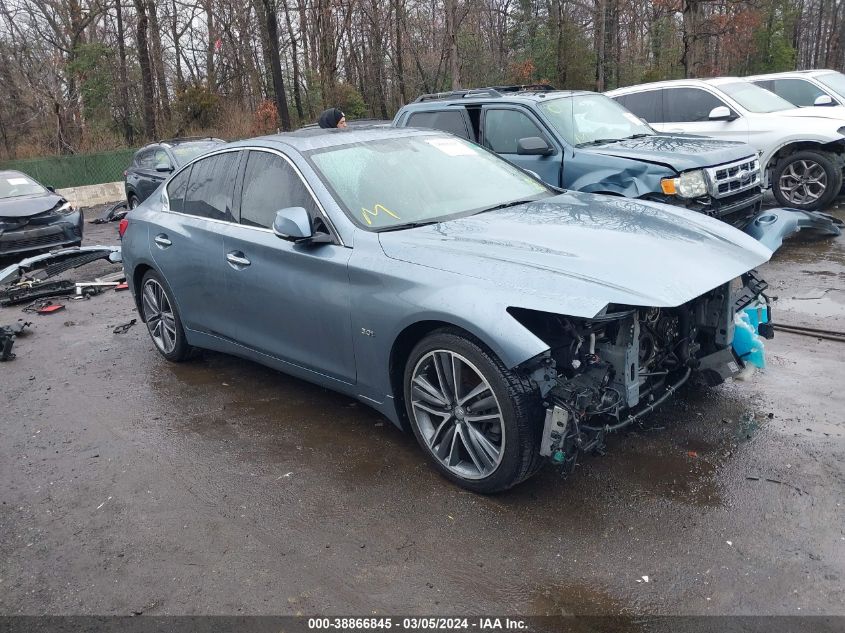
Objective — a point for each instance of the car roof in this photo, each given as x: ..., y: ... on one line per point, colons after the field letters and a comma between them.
x: 792, y: 73
x: 311, y: 138
x: 481, y: 95
x: 712, y: 81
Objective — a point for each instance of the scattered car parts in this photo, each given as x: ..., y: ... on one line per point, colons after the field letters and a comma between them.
x: 63, y: 259
x: 771, y: 227
x: 8, y: 334
x: 123, y: 328
x: 114, y: 213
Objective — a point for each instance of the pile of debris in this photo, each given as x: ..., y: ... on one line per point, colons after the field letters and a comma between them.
x: 34, y: 281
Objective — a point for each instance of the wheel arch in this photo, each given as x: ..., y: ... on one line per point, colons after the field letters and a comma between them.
x: 837, y: 148
x: 137, y: 276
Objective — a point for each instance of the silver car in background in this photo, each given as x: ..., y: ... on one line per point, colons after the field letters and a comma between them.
x: 501, y: 321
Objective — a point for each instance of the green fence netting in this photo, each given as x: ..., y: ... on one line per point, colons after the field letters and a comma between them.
x: 75, y: 170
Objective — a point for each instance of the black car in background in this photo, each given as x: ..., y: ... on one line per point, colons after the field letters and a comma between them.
x: 153, y: 163
x: 34, y: 217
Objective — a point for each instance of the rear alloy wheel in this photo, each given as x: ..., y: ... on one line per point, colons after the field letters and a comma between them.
x: 162, y: 318
x: 133, y: 201
x: 806, y: 180
x: 477, y: 420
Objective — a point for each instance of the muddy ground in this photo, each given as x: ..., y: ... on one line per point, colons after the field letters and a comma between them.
x: 131, y: 485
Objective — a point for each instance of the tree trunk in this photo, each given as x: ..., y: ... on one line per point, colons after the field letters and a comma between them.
x: 452, y: 42
x: 123, y: 87
x: 157, y: 59
x: 147, y: 90
x: 297, y: 98
x: 276, y: 63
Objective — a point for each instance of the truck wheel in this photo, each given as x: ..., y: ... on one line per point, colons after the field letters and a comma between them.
x: 478, y: 421
x: 806, y: 180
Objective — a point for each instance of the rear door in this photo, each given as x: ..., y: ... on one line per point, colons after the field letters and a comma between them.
x: 187, y: 242
x: 288, y: 300
x: 501, y: 129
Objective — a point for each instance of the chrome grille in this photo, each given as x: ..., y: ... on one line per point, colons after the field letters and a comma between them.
x: 727, y: 180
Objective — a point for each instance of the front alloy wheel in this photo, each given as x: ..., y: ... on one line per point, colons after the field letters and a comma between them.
x: 479, y: 421
x: 457, y: 414
x: 806, y: 180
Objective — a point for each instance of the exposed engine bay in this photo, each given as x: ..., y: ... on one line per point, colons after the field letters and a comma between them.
x: 605, y: 373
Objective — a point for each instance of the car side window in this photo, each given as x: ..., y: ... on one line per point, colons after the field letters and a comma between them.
x: 176, y: 189
x: 210, y: 187
x: 646, y: 105
x: 269, y: 185
x: 160, y: 156
x: 801, y: 93
x: 452, y: 121
x: 144, y: 159
x: 688, y: 105
x: 504, y: 128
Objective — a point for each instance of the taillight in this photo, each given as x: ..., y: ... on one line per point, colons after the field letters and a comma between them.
x: 121, y: 228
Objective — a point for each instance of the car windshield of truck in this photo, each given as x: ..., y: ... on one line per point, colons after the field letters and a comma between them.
x: 14, y: 185
x: 754, y: 98
x: 593, y: 118
x: 835, y: 81
x: 397, y: 183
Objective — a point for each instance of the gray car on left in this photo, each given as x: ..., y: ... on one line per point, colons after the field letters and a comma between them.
x: 34, y: 217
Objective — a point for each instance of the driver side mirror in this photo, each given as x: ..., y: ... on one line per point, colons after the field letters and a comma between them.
x: 721, y: 113
x: 533, y: 146
x: 823, y: 100
x: 51, y: 188
x: 164, y: 167
x: 294, y: 225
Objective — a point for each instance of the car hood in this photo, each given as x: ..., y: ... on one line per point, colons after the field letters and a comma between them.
x: 26, y: 206
x: 678, y: 151
x: 575, y: 253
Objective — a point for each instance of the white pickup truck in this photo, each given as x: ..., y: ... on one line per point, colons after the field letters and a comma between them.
x: 802, y: 150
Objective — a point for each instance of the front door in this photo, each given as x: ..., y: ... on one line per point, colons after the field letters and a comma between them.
x: 502, y: 127
x: 286, y: 300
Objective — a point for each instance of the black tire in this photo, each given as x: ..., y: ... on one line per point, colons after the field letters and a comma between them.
x: 132, y: 201
x: 180, y: 350
x: 812, y: 163
x: 519, y: 403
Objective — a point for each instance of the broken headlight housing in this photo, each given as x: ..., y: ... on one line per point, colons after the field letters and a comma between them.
x: 65, y: 209
x: 692, y: 184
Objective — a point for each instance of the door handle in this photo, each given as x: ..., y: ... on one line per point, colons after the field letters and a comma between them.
x: 162, y: 241
x: 237, y: 260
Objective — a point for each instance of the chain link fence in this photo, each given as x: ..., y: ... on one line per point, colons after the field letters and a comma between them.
x: 74, y: 170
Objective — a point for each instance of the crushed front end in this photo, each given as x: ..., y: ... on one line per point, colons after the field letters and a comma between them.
x: 603, y: 374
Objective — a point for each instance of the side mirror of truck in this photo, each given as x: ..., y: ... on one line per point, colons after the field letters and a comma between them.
x: 533, y: 146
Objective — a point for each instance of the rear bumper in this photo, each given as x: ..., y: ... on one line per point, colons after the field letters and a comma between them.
x: 32, y: 237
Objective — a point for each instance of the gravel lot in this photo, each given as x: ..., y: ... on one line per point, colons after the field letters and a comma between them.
x: 218, y: 486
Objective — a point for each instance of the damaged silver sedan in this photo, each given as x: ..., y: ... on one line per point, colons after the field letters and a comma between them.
x: 503, y: 322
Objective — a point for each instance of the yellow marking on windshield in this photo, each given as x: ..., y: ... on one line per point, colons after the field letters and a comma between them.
x: 367, y: 214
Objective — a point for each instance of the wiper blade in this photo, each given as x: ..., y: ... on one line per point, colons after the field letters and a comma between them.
x: 599, y: 141
x: 505, y: 205
x: 638, y: 136
x: 408, y: 225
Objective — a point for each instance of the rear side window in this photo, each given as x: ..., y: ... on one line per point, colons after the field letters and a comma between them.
x: 504, y: 128
x: 144, y: 159
x: 452, y: 121
x: 210, y: 187
x: 646, y: 105
x: 688, y: 105
x: 176, y: 189
x: 271, y: 184
x: 797, y: 91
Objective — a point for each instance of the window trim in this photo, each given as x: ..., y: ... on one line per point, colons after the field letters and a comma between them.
x: 236, y: 199
x: 541, y: 125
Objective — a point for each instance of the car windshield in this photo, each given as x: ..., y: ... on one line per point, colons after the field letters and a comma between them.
x: 590, y: 118
x: 754, y: 98
x: 13, y: 185
x: 835, y: 81
x: 401, y: 182
x: 185, y: 152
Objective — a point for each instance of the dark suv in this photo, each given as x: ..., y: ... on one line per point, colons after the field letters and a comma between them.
x: 152, y: 164
x: 587, y: 142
